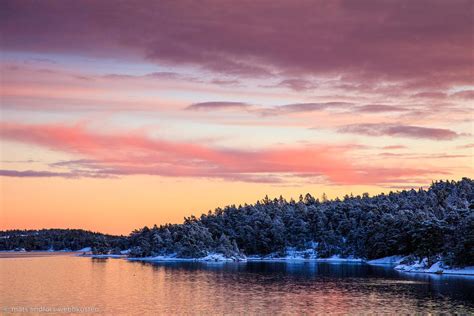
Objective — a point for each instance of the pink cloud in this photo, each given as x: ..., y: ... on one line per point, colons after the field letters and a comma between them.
x: 297, y: 84
x: 365, y: 40
x: 47, y: 174
x: 466, y: 94
x: 430, y: 95
x: 139, y: 154
x: 466, y: 146
x: 217, y: 105
x: 301, y: 108
x: 394, y: 147
x: 268, y: 111
x: 397, y: 130
x: 105, y: 155
x: 379, y: 108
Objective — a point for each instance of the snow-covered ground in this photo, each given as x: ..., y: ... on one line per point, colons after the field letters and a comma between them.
x: 337, y: 259
x: 290, y: 255
x: 15, y: 250
x: 422, y: 266
x: 49, y: 250
x: 212, y: 257
x: 463, y: 271
x: 87, y: 252
x: 309, y: 254
x: 392, y: 260
x: 102, y: 256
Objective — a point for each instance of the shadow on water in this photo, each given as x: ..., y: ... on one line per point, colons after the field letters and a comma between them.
x: 351, y: 276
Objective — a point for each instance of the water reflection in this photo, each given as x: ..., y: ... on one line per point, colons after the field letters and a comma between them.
x: 119, y: 287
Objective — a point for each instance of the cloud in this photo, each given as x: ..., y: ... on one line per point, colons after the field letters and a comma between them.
x: 297, y: 84
x: 225, y: 82
x: 466, y: 146
x: 394, y: 147
x: 19, y: 161
x: 120, y: 154
x: 217, y: 105
x: 399, y: 131
x: 416, y: 156
x: 430, y: 95
x: 73, y: 174
x: 35, y: 174
x: 134, y: 153
x: 260, y: 38
x: 466, y: 95
x: 378, y: 108
x: 302, y: 108
x: 159, y: 75
x: 267, y: 111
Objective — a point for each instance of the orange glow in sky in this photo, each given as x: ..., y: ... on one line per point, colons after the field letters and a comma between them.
x: 110, y: 126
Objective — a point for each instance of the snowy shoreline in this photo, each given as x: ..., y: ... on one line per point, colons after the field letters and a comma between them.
x: 392, y: 261
x: 395, y: 262
x: 220, y: 258
x: 421, y: 266
x: 436, y: 268
x: 290, y: 255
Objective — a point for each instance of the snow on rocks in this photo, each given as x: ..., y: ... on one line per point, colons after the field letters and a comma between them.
x: 422, y: 266
x: 291, y: 254
x: 125, y: 252
x: 105, y: 256
x: 338, y: 259
x: 211, y: 257
x: 392, y: 260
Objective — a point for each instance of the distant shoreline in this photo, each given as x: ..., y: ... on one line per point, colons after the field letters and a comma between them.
x: 393, y: 261
x: 434, y: 269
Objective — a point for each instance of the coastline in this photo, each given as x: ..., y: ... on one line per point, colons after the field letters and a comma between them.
x: 393, y: 262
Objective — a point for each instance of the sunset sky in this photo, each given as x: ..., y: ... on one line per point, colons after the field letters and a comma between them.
x: 120, y: 114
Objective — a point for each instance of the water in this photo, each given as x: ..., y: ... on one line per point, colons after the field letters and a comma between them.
x: 63, y: 282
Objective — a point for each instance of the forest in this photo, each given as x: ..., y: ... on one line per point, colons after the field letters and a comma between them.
x: 60, y: 239
x: 437, y: 223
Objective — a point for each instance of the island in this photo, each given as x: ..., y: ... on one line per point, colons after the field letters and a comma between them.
x: 429, y: 231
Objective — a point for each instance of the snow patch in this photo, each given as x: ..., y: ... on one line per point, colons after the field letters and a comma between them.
x: 422, y: 266
x: 393, y: 260
x: 291, y: 254
x: 125, y: 252
x: 217, y: 257
x: 337, y: 259
x: 461, y: 271
x: 211, y: 257
x: 105, y: 256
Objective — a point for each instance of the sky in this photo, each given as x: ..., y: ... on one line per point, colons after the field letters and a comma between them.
x: 120, y: 114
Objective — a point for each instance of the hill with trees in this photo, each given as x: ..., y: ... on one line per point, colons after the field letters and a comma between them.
x: 437, y: 223
x: 60, y: 239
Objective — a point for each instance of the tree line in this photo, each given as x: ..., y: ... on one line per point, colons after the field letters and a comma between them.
x: 437, y: 223
x: 433, y: 223
x: 60, y: 239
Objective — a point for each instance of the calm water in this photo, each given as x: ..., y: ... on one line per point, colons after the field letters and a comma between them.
x: 46, y: 282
